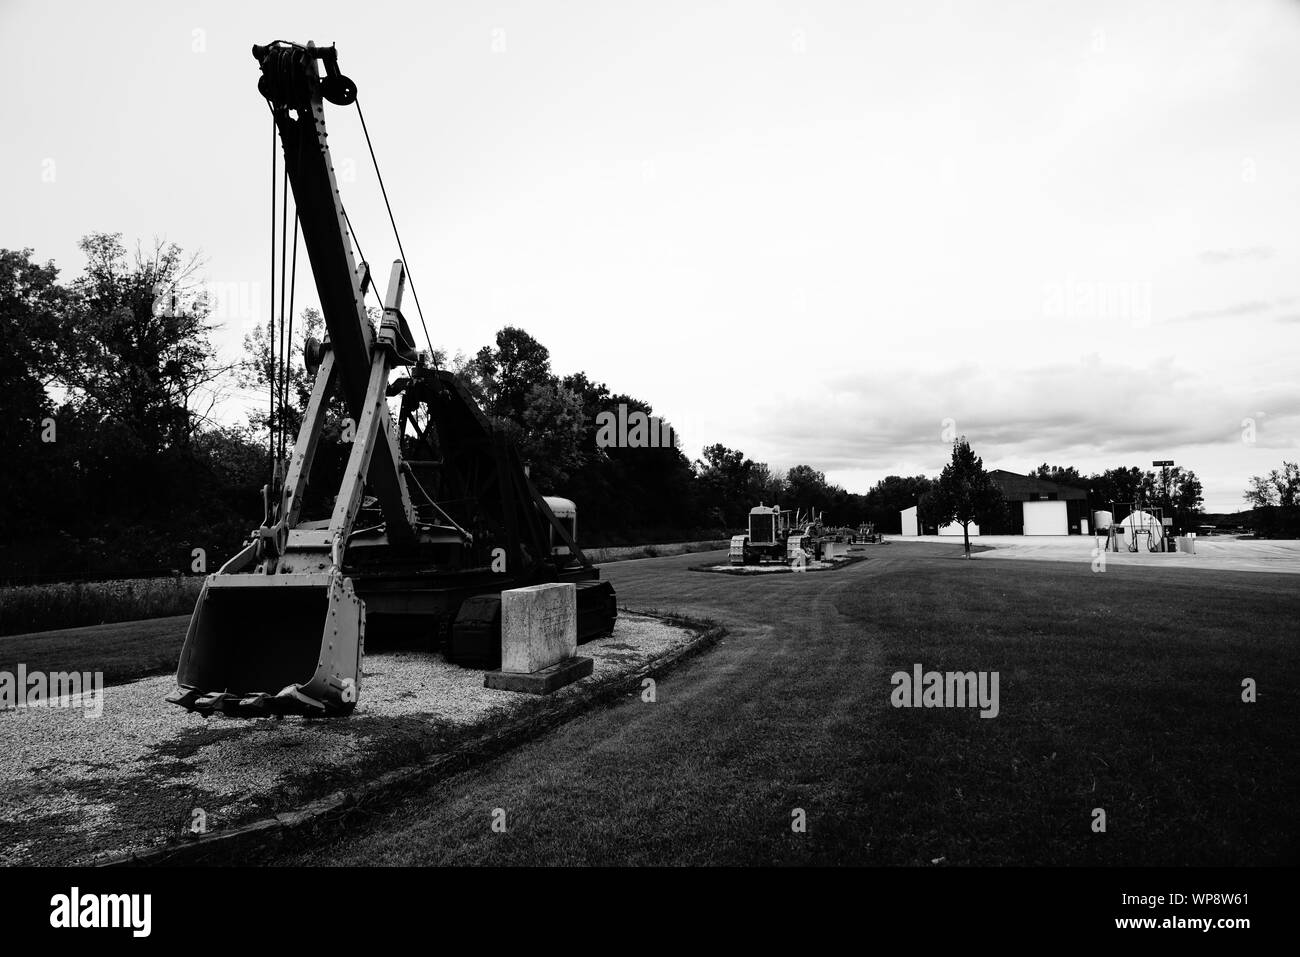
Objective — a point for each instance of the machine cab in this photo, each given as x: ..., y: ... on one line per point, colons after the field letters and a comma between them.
x: 766, y: 523
x: 567, y: 514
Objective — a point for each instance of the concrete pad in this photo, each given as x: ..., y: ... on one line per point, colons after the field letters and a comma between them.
x: 540, y: 682
x: 1212, y: 552
x: 539, y: 626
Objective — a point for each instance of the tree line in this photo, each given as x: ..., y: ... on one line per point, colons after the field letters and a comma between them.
x: 117, y: 463
x: 1275, y: 502
x: 1176, y: 491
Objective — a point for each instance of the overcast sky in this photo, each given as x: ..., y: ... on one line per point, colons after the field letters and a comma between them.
x: 813, y: 231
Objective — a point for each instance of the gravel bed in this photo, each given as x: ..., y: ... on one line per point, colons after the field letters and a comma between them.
x: 777, y: 568
x: 76, y: 786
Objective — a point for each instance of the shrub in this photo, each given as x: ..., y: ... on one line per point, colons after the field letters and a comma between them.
x: 28, y: 608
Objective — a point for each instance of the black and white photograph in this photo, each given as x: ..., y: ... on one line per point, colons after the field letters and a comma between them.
x: 849, y: 444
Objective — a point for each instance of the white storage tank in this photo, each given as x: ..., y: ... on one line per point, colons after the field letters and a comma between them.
x: 1146, y: 526
x: 1102, y: 520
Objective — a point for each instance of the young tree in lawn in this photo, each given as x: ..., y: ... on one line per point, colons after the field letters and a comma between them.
x: 964, y: 492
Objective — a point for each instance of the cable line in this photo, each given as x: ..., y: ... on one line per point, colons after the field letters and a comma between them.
x: 396, y: 234
x: 270, y: 333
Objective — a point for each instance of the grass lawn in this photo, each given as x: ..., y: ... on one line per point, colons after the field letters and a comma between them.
x: 1122, y: 692
x: 123, y: 651
x: 1119, y: 691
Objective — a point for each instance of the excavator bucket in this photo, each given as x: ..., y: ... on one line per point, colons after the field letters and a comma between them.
x: 273, y: 645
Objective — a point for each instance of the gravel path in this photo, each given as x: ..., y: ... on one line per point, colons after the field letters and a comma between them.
x: 75, y: 786
x: 778, y: 568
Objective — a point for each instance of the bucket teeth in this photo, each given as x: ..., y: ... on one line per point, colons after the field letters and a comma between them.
x: 290, y: 701
x: 255, y: 704
x: 262, y: 646
x: 185, y: 697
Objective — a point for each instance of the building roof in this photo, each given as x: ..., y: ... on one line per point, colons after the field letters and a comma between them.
x: 1026, y: 488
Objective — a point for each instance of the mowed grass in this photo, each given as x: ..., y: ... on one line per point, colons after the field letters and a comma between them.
x: 1119, y: 691
x: 122, y: 652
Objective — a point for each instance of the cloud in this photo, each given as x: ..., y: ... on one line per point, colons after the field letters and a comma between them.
x: 863, y: 423
x: 1219, y: 257
x: 1254, y: 307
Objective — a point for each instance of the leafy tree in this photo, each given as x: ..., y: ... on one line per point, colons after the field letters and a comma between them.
x: 478, y: 374
x: 121, y: 360
x: 1061, y: 475
x: 254, y: 372
x: 32, y: 310
x: 807, y: 489
x: 1275, y: 501
x: 1280, y: 487
x: 625, y: 494
x: 766, y: 485
x: 884, y: 503
x: 138, y: 351
x: 518, y: 363
x: 1117, y: 488
x: 964, y: 492
x: 724, y: 476
x: 1176, y: 491
x: 551, y: 439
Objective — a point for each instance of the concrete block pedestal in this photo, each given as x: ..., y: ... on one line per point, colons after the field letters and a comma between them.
x: 539, y: 640
x: 541, y: 682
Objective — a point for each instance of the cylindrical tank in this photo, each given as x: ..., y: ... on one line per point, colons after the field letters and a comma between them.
x: 1145, y: 524
x: 1102, y: 520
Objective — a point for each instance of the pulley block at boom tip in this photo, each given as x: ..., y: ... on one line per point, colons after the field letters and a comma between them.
x: 289, y: 74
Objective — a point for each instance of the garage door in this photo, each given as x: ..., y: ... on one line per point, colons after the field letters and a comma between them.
x: 1045, y: 518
